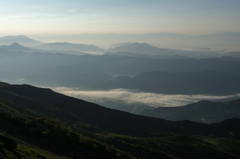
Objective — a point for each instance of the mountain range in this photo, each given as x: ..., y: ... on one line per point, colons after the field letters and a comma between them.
x: 221, y: 41
x: 135, y: 49
x: 14, y: 43
x: 73, y: 47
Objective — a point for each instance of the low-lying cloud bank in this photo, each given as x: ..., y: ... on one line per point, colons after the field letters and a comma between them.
x: 133, y: 96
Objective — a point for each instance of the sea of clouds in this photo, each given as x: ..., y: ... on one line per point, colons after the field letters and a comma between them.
x: 134, y: 96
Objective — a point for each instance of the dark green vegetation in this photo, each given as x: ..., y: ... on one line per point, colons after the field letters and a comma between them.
x: 45, y: 124
x: 203, y: 111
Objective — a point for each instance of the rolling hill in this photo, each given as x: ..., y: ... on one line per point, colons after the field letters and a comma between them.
x: 204, y: 82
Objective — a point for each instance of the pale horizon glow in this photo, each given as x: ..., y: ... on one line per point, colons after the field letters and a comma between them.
x: 64, y: 17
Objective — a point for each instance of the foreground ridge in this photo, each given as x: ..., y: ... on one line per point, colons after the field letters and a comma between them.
x: 51, y: 125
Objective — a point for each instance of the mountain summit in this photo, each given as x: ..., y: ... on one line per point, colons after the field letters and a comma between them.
x: 16, y: 47
x: 20, y: 39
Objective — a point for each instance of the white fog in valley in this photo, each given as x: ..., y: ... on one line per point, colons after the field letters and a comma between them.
x: 135, y: 97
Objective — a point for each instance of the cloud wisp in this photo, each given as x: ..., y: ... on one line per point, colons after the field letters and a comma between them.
x: 132, y: 96
x: 73, y: 10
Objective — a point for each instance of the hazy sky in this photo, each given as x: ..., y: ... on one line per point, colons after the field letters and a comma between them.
x: 191, y: 17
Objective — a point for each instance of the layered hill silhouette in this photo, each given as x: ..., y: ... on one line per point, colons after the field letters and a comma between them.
x: 205, y: 82
x: 73, y: 47
x: 67, y: 77
x: 15, y: 65
x: 203, y: 111
x: 143, y: 48
x: 91, y: 131
x: 146, y: 50
x: 16, y: 47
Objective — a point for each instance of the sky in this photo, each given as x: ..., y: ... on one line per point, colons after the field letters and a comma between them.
x: 191, y: 17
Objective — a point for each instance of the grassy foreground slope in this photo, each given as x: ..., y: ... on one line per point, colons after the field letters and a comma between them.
x: 39, y: 123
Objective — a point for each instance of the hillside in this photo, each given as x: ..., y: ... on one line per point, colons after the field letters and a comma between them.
x: 51, y: 125
x: 27, y: 134
x: 203, y: 111
x: 67, y: 77
x: 204, y: 82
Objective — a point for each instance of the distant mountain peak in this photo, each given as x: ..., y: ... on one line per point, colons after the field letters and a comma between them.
x: 16, y: 44
x: 21, y: 39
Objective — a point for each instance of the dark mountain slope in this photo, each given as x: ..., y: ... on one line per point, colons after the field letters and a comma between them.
x: 74, y: 110
x: 42, y: 137
x: 203, y: 111
x: 2, y: 84
x: 26, y: 134
x: 37, y: 136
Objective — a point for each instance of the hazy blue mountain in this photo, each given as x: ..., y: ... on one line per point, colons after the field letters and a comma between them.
x: 206, y: 82
x: 170, y: 56
x: 17, y: 47
x: 203, y: 111
x: 121, y: 44
x: 67, y: 77
x: 142, y: 48
x: 146, y: 50
x: 21, y: 39
x: 73, y: 47
x: 18, y: 64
